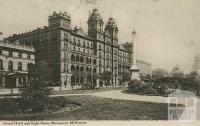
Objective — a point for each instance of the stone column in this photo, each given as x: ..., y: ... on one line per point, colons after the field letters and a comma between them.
x: 17, y: 82
x: 3, y: 82
x: 134, y: 68
x: 69, y: 80
x: 98, y: 83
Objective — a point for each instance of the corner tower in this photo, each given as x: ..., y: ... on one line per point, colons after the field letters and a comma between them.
x: 95, y: 25
x: 60, y: 20
x: 111, y: 31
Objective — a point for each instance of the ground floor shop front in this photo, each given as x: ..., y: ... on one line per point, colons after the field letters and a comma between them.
x: 12, y: 79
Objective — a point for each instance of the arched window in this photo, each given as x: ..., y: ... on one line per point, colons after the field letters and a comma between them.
x: 19, y: 66
x: 30, y: 66
x: 87, y: 60
x: 94, y: 62
x: 1, y: 64
x: 82, y: 59
x: 100, y: 47
x: 87, y: 69
x: 82, y: 69
x: 72, y: 58
x: 90, y: 61
x: 94, y: 70
x: 10, y: 65
x: 77, y: 68
x: 72, y: 68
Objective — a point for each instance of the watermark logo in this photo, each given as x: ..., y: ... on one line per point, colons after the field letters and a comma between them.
x: 182, y: 106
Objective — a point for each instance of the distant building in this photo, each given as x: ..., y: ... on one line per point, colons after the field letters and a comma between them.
x: 14, y: 63
x: 144, y: 67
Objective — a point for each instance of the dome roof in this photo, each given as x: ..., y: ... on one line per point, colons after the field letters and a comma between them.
x: 111, y: 23
x: 95, y: 15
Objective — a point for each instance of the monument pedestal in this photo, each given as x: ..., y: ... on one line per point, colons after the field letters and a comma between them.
x: 135, y: 73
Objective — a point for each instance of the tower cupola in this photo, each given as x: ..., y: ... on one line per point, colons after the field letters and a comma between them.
x: 111, y: 28
x: 95, y: 23
x: 62, y: 19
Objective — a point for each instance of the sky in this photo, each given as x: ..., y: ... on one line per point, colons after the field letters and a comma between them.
x: 168, y: 31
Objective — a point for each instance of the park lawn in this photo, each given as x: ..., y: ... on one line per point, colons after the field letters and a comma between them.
x: 75, y: 91
x: 79, y: 91
x: 97, y: 108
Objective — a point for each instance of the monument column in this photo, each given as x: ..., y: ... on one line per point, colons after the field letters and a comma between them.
x: 134, y: 68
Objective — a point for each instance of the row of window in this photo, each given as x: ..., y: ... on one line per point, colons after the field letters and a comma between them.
x: 81, y: 59
x: 10, y: 65
x: 79, y: 50
x: 84, y: 44
x: 10, y: 54
x: 81, y: 69
x: 108, y: 50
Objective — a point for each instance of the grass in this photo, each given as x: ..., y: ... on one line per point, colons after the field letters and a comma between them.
x: 75, y: 91
x: 79, y: 91
x: 96, y: 108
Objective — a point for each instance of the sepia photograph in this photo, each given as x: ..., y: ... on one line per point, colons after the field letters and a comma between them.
x: 99, y: 62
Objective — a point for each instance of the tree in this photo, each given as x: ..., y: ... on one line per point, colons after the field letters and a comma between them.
x: 106, y: 76
x: 159, y: 73
x: 126, y: 76
x: 193, y: 75
x: 176, y: 72
x: 35, y: 94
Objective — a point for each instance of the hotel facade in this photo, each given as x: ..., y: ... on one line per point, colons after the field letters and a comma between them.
x: 75, y: 57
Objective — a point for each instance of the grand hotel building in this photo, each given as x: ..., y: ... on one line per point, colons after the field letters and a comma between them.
x: 75, y: 57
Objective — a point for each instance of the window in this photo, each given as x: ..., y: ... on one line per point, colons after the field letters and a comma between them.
x: 10, y: 65
x: 79, y: 43
x: 94, y: 62
x: 100, y: 56
x: 19, y: 66
x: 107, y: 49
x: 29, y: 65
x: 94, y: 70
x: 82, y: 59
x: 72, y: 58
x: 91, y: 45
x: 100, y: 47
x: 10, y: 53
x: 72, y: 68
x: 100, y: 63
x: 1, y: 64
x: 28, y: 56
x: 84, y: 44
x: 0, y: 51
x: 88, y: 45
x: 54, y: 35
x: 20, y: 54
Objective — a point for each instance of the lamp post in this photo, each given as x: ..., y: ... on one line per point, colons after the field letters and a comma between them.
x: 134, y: 68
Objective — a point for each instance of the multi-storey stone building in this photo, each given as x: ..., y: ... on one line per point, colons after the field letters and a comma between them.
x: 14, y: 63
x: 75, y: 57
